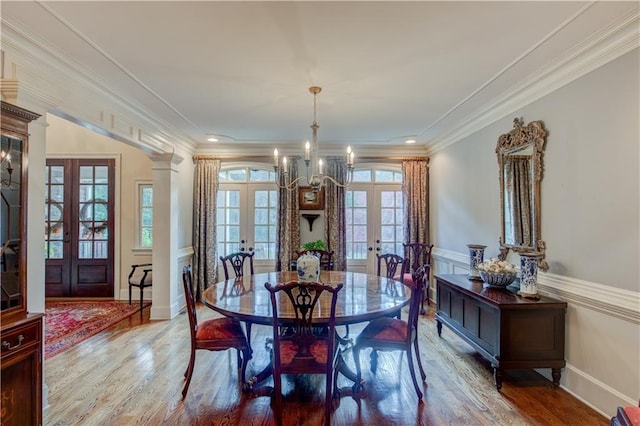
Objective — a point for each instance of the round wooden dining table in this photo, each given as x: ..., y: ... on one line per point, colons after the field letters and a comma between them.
x: 363, y: 297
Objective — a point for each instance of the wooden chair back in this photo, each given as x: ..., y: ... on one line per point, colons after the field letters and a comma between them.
x: 416, y: 255
x: 391, y: 262
x: 236, y: 262
x: 326, y: 258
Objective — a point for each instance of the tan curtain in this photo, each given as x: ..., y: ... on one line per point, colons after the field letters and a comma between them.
x: 205, y: 192
x: 288, y: 226
x: 335, y: 218
x: 415, y: 190
x: 518, y: 198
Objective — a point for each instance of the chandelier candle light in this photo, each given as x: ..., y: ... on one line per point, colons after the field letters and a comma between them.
x: 315, y: 177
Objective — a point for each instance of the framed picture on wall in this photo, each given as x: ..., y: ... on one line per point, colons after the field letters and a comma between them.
x: 309, y: 200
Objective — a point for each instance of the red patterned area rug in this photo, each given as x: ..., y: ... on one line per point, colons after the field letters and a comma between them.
x: 68, y: 323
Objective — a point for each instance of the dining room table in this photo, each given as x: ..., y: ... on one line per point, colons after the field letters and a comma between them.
x: 364, y: 297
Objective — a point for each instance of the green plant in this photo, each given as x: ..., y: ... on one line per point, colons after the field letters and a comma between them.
x: 314, y: 245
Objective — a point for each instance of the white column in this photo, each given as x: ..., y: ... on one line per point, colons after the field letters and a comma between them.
x: 165, y: 303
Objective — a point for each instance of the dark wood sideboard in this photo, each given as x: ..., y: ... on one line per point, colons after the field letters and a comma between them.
x: 508, y: 330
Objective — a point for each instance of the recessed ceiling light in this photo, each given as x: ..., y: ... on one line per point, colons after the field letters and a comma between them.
x: 212, y: 139
x: 410, y: 141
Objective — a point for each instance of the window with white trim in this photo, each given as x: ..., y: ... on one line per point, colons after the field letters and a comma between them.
x: 145, y: 215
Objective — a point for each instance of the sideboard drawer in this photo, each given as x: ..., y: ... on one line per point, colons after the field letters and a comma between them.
x: 20, y: 337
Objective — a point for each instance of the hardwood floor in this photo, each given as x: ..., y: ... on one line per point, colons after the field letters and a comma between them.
x: 132, y: 374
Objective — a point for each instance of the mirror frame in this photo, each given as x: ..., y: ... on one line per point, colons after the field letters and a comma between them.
x: 521, y: 137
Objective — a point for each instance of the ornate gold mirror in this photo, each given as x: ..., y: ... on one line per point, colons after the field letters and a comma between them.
x: 520, y: 172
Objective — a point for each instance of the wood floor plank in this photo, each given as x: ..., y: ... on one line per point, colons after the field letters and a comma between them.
x: 132, y: 374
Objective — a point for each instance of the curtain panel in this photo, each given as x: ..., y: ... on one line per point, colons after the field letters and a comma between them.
x: 415, y: 190
x: 288, y: 225
x: 335, y: 208
x: 518, y: 199
x: 205, y: 192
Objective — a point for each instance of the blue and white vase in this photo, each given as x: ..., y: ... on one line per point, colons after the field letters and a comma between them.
x: 529, y: 275
x: 308, y: 268
x: 476, y: 256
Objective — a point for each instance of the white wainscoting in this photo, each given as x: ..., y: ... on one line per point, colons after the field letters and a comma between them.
x: 602, y: 343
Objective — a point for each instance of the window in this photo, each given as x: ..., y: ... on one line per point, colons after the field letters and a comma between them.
x: 374, y: 214
x: 145, y: 215
x: 247, y: 208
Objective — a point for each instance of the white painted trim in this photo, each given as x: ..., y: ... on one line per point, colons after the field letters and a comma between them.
x: 601, y: 48
x: 185, y: 253
x: 615, y: 302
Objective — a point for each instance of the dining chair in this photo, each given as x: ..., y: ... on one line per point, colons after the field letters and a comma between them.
x: 326, y: 258
x: 389, y: 263
x: 216, y: 334
x: 416, y: 255
x: 304, y: 348
x: 392, y: 334
x: 235, y: 261
x: 141, y: 276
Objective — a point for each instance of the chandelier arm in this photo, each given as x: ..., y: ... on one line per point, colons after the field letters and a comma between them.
x: 341, y: 185
x: 290, y: 185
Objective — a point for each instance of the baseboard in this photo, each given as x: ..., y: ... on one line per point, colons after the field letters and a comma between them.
x: 594, y: 311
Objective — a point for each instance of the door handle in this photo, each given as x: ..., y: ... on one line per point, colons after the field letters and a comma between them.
x: 66, y: 237
x: 377, y: 248
x: 250, y: 248
x: 370, y: 248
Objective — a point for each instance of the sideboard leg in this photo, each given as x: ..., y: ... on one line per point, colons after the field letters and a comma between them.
x: 555, y: 375
x: 497, y: 377
x: 439, y: 325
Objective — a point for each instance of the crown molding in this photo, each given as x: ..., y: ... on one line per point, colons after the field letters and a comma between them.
x: 603, y: 47
x: 71, y: 92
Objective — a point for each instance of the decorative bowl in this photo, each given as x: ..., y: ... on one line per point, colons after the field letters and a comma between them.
x: 498, y: 279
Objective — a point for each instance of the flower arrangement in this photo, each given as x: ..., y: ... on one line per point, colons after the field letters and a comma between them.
x: 495, y: 265
x: 497, y: 273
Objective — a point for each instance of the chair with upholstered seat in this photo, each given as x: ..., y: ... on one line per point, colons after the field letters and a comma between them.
x: 236, y: 262
x: 217, y: 334
x: 416, y: 255
x: 304, y: 348
x: 392, y: 334
x: 141, y: 276
x: 326, y: 258
x: 388, y: 265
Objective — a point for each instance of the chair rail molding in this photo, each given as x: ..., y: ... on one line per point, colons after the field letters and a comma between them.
x: 611, y: 301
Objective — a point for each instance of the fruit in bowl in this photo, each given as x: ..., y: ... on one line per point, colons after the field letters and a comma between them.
x: 497, y: 273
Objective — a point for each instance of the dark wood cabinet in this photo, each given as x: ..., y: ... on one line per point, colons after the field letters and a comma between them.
x: 21, y: 400
x: 508, y: 330
x: 20, y: 332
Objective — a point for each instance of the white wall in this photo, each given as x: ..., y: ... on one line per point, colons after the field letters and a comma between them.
x: 590, y: 221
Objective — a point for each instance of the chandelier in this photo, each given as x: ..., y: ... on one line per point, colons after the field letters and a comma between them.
x: 315, y: 177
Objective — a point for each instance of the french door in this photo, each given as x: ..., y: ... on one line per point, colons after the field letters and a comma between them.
x: 246, y: 222
x: 374, y: 215
x: 79, y: 227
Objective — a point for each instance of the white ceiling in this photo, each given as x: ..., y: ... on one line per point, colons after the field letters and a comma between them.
x: 388, y: 70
